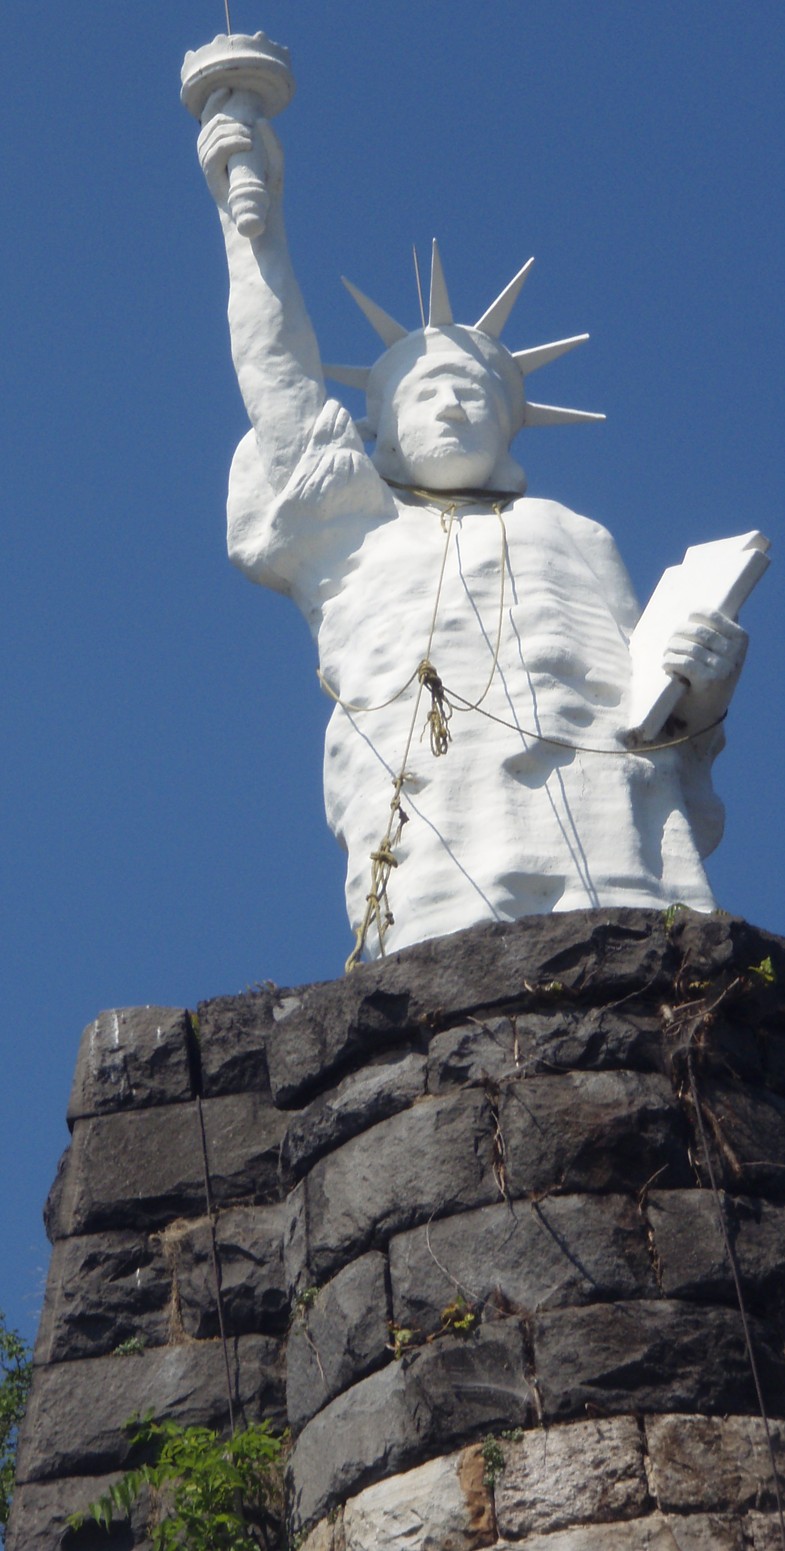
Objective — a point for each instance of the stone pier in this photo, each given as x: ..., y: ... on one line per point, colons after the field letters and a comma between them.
x: 471, y: 1250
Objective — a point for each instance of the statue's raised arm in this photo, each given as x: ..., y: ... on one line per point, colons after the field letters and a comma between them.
x: 233, y: 85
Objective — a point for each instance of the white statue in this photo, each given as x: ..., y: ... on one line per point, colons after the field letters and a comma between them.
x: 445, y: 602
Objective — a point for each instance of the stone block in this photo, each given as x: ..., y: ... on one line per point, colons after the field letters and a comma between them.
x: 143, y: 1169
x: 568, y: 1039
x: 521, y: 1256
x: 441, y: 1395
x: 130, y: 1058
x: 746, y: 1131
x: 580, y: 1473
x: 483, y: 970
x: 40, y: 1512
x: 103, y: 1289
x: 337, y: 1338
x: 439, y: 1506
x: 592, y: 1131
x: 249, y: 1243
x: 428, y: 1161
x: 712, y: 1463
x: 691, y: 1254
x: 77, y: 1411
x: 698, y: 1532
x: 670, y: 1356
x: 232, y: 1033
x: 361, y: 1100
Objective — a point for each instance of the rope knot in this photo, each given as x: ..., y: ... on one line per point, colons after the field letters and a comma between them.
x: 441, y: 711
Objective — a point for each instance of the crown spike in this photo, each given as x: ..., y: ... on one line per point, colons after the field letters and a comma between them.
x: 350, y: 376
x: 530, y: 360
x: 439, y: 310
x: 386, y: 327
x: 548, y: 414
x: 492, y: 322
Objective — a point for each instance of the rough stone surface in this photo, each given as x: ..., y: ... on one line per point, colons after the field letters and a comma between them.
x: 746, y: 1127
x: 40, y: 1511
x: 592, y: 1131
x: 672, y: 1356
x: 232, y: 1034
x: 432, y: 1159
x: 142, y: 1170
x: 434, y: 1507
x: 360, y: 1101
x: 77, y: 1410
x: 583, y: 1472
x: 522, y: 1256
x: 713, y: 1463
x: 338, y: 1338
x: 699, y: 1532
x: 130, y: 1058
x: 103, y: 1289
x: 611, y: 953
x: 249, y: 1243
x: 570, y: 1039
x: 691, y: 1254
x: 446, y: 1393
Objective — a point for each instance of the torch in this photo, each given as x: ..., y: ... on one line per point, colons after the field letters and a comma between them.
x: 258, y: 71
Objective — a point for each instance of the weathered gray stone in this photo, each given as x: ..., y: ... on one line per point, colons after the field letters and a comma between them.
x: 40, y: 1511
x: 232, y: 1034
x: 441, y: 1395
x: 591, y: 1131
x: 524, y: 1256
x: 690, y: 1249
x: 103, y: 1289
x: 579, y: 1473
x: 327, y: 1536
x: 746, y: 1131
x: 440, y: 1506
x: 712, y: 1463
x: 77, y: 1410
x: 434, y: 1158
x: 337, y: 1338
x: 249, y: 1244
x: 485, y: 969
x: 671, y: 1356
x: 143, y: 1169
x: 361, y: 1100
x: 130, y: 1058
x: 698, y: 1532
x: 567, y: 1039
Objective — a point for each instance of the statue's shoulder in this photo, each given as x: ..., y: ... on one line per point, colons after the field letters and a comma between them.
x: 553, y: 513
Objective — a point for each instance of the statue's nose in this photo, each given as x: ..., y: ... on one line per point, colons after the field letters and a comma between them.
x: 451, y: 409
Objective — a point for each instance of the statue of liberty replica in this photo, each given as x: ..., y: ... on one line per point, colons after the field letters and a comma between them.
x: 510, y: 735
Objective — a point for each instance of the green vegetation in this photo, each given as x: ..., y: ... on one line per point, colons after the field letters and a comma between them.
x: 15, y: 1377
x: 207, y: 1493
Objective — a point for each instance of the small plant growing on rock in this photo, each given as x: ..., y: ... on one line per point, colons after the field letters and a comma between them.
x: 133, y: 1347
x: 400, y: 1338
x: 458, y: 1317
x: 493, y: 1458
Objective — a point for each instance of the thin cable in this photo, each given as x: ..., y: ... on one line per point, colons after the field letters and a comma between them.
x: 228, y: 18
x: 581, y: 748
x: 208, y: 1194
x: 736, y: 1280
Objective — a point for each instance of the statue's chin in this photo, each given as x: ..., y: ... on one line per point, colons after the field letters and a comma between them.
x: 447, y: 469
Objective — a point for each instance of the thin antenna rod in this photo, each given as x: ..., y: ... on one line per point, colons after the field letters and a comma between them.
x: 228, y: 18
x: 419, y: 283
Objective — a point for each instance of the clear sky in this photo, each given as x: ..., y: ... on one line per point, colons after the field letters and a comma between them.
x: 164, y: 836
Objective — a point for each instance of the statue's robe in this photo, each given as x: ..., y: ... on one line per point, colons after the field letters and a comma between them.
x: 507, y: 823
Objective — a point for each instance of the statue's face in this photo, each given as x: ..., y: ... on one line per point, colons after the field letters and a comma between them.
x: 444, y: 424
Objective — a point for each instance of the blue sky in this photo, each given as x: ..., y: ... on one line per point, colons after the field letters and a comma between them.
x: 164, y: 835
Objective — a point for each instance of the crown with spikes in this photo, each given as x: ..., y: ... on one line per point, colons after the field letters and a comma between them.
x: 488, y: 326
